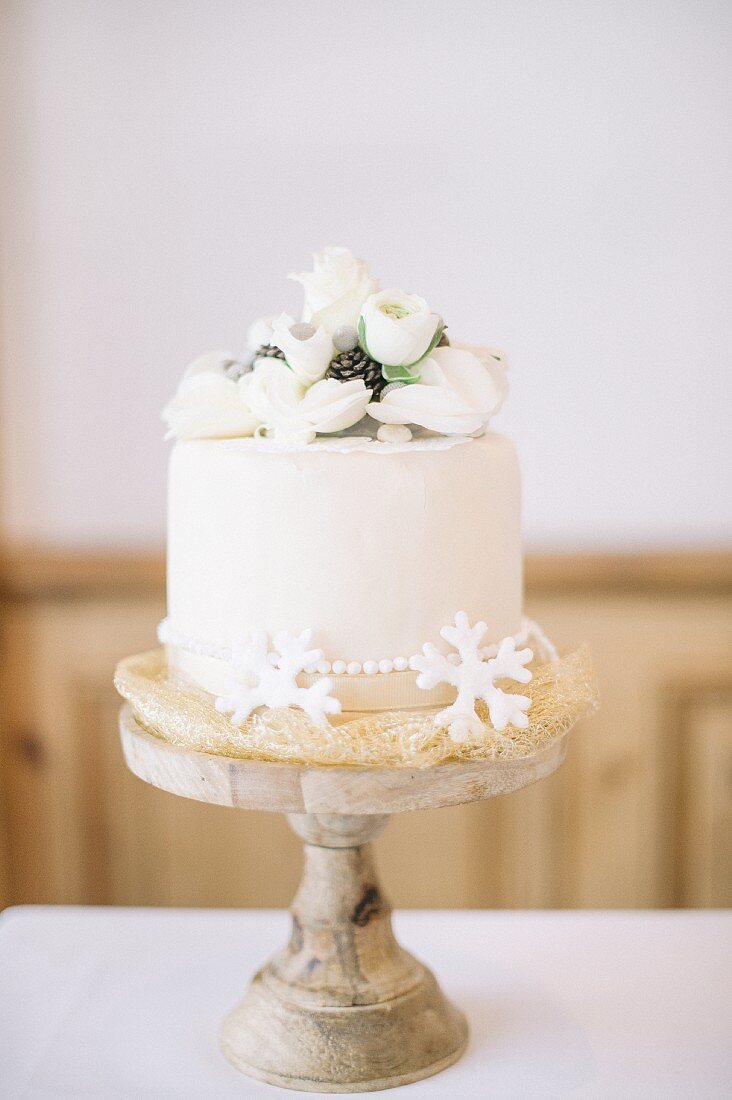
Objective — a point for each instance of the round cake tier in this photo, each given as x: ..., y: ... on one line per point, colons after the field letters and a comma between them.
x: 373, y: 548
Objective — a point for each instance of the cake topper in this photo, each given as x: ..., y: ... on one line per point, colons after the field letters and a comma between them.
x: 358, y: 355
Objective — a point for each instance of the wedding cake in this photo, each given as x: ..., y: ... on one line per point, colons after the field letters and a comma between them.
x: 343, y: 528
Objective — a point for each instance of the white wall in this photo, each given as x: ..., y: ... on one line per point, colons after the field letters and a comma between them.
x: 553, y: 177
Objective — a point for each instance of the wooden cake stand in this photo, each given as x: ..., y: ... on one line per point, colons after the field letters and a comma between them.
x: 343, y: 1007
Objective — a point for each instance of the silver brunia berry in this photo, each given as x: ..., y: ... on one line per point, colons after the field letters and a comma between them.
x: 302, y: 330
x: 345, y: 338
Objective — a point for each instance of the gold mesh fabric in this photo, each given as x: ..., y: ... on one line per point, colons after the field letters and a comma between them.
x: 184, y: 715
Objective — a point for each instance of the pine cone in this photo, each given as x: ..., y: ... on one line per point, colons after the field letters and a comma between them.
x: 356, y: 364
x: 269, y: 351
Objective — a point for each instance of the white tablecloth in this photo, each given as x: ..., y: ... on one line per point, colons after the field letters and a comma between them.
x: 125, y: 1003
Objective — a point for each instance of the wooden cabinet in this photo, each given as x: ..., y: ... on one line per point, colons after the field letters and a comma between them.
x: 639, y: 815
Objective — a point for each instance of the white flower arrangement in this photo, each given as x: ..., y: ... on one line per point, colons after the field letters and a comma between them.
x: 356, y: 352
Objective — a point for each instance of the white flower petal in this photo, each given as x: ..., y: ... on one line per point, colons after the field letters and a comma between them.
x: 208, y: 406
x: 211, y: 362
x: 333, y: 406
x: 260, y: 332
x: 273, y: 394
x: 309, y: 359
x: 464, y: 373
x: 494, y: 362
x: 344, y: 310
x: 437, y: 408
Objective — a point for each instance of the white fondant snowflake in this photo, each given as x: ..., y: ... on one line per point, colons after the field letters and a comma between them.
x: 474, y: 678
x: 268, y: 678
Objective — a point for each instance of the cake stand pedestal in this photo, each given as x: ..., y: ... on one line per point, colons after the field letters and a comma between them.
x: 343, y: 1007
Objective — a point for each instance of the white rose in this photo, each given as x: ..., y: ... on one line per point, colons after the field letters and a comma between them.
x: 398, y: 329
x: 336, y: 288
x: 456, y: 395
x: 309, y: 359
x: 208, y: 405
x: 333, y: 406
x: 494, y: 362
x: 273, y: 393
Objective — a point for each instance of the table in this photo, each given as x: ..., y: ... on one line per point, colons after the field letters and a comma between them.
x: 124, y: 1004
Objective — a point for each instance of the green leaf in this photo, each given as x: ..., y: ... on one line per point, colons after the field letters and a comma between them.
x: 361, y: 329
x: 399, y: 374
x: 437, y: 337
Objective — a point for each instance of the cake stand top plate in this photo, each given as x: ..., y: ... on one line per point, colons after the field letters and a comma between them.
x: 330, y: 789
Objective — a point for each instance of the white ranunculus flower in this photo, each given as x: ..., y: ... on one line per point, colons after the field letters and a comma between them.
x: 335, y: 289
x: 398, y: 329
x: 456, y: 395
x: 494, y: 362
x: 273, y: 393
x: 208, y: 405
x: 332, y: 406
x: 309, y: 359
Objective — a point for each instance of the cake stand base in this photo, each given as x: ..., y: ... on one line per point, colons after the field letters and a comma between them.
x: 343, y: 1008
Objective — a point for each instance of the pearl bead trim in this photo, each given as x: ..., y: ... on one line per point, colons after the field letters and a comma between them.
x: 530, y: 632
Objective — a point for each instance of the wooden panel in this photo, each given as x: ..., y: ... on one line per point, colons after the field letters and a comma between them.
x: 33, y: 571
x: 638, y: 816
x: 618, y: 764
x: 701, y: 856
x: 5, y: 880
x: 87, y: 831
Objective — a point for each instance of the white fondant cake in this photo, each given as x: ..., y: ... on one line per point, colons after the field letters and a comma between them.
x: 335, y: 503
x: 373, y: 551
